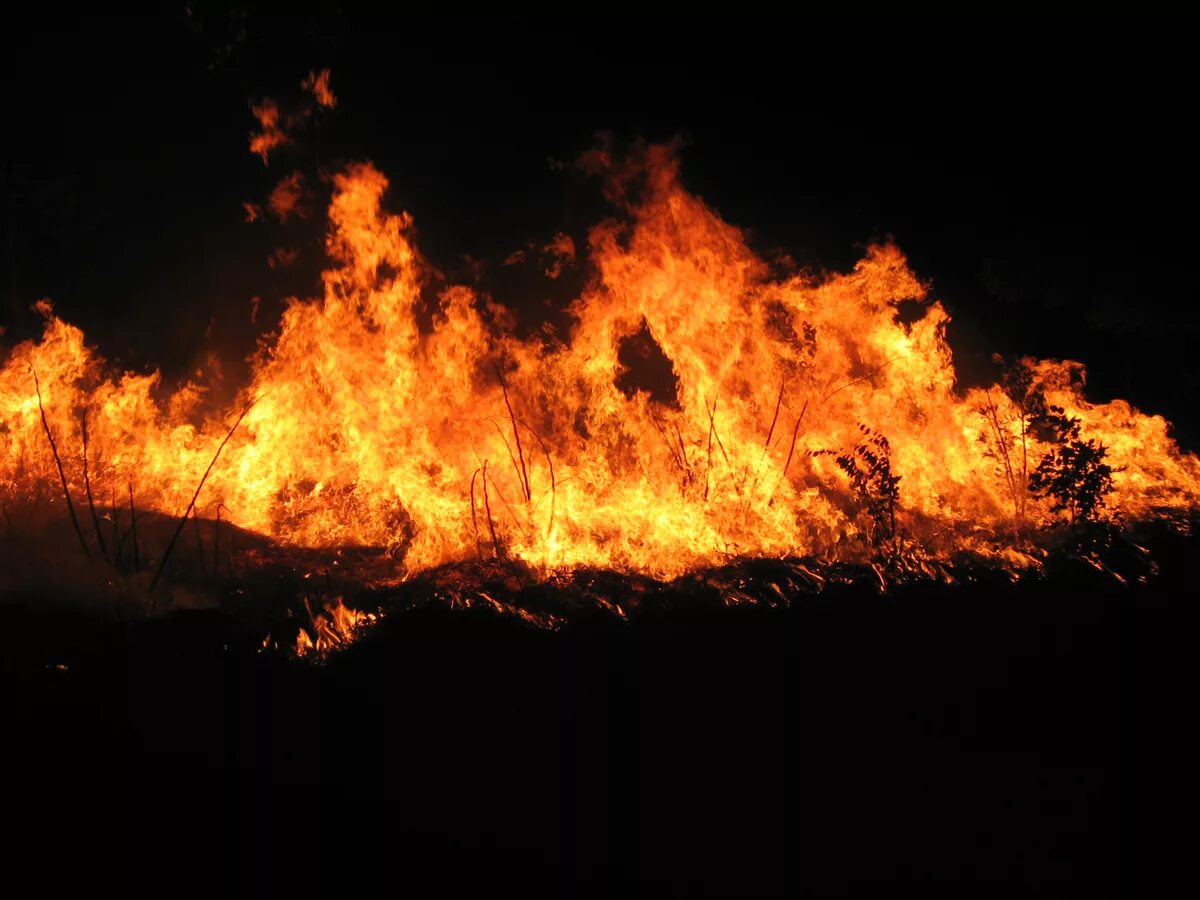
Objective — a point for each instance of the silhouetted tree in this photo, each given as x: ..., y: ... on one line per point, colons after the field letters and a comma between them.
x: 1013, y: 426
x: 869, y: 466
x: 1073, y: 474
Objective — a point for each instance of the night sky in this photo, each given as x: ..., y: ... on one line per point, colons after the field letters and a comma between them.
x: 1044, y: 184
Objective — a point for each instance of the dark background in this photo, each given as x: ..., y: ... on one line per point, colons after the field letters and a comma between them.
x: 1040, y: 177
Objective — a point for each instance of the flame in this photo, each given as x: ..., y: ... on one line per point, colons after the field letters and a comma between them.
x: 462, y: 440
x: 334, y: 627
x: 318, y: 84
x: 272, y: 134
x: 287, y: 196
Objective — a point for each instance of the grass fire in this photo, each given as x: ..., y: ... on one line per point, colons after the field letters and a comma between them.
x: 804, y: 419
x: 506, y: 456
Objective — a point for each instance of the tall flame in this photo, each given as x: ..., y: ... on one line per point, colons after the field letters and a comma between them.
x: 465, y: 440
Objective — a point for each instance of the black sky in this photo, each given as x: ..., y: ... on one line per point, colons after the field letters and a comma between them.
x: 1041, y: 178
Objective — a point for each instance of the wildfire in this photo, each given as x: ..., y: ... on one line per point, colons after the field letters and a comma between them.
x: 803, y: 416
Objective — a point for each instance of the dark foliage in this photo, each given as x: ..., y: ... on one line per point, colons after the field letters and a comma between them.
x: 1073, y: 474
x: 869, y: 467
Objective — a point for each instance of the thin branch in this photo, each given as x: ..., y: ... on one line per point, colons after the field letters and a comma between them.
x: 511, y: 457
x: 488, y: 508
x: 87, y: 485
x: 118, y: 544
x: 137, y: 560
x: 795, y: 432
x: 993, y: 417
x: 217, y: 543
x: 474, y: 518
x: 682, y: 449
x: 875, y: 371
x: 670, y: 447
x: 775, y: 418
x: 187, y: 512
x: 708, y: 458
x: 199, y: 542
x: 512, y: 513
x: 524, y: 473
x: 58, y: 462
x: 553, y: 480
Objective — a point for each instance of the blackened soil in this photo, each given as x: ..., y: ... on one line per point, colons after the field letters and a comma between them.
x: 975, y: 740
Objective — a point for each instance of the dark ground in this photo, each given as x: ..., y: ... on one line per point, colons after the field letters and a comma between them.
x: 977, y: 740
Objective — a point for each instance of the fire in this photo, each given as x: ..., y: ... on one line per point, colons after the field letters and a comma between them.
x: 802, y: 416
x: 335, y: 626
x: 318, y: 84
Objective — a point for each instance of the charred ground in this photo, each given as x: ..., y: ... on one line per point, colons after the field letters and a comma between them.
x: 739, y: 732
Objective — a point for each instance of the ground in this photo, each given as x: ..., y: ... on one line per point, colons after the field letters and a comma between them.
x: 967, y: 740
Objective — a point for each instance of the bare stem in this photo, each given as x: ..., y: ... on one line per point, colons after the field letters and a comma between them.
x: 488, y: 508
x: 199, y: 542
x: 87, y: 485
x: 474, y: 518
x: 58, y: 462
x: 553, y: 480
x: 670, y: 447
x: 137, y: 561
x: 187, y: 512
x: 524, y: 471
x: 775, y: 418
x: 217, y: 543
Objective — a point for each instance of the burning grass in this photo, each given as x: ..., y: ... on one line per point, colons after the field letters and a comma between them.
x: 811, y: 431
x: 313, y: 602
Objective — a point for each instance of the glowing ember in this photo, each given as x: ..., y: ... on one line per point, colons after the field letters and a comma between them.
x: 804, y: 417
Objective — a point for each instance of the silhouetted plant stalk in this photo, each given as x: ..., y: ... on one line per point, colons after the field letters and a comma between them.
x: 137, y: 562
x: 199, y: 543
x: 87, y: 484
x: 1073, y: 475
x: 487, y: 505
x: 118, y: 544
x: 522, y: 470
x: 187, y: 512
x: 1016, y: 479
x: 474, y: 516
x: 774, y: 418
x: 869, y: 467
x: 553, y: 479
x: 217, y: 543
x: 670, y: 446
x: 58, y: 463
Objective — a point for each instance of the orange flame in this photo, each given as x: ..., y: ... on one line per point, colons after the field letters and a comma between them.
x: 318, y: 84
x: 463, y: 440
x: 286, y: 197
x: 334, y: 627
x: 272, y: 134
